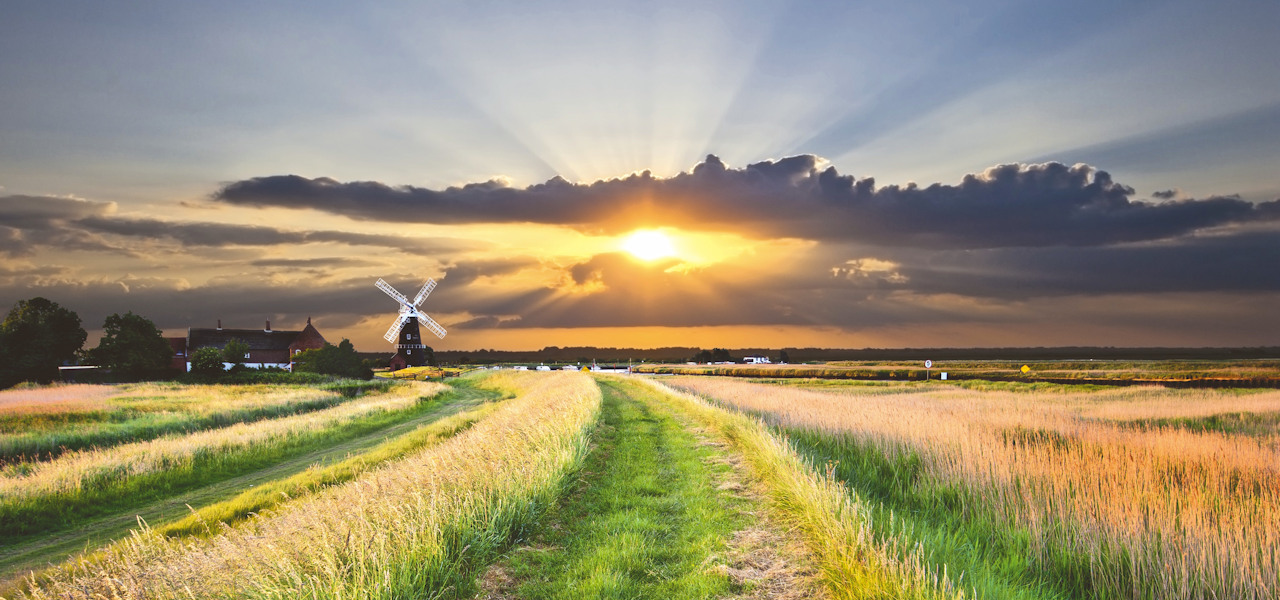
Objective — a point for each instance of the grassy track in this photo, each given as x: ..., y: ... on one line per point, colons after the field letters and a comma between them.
x: 219, y: 498
x: 646, y: 517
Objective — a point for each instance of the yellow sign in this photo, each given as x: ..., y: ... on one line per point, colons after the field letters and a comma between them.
x: 1026, y: 369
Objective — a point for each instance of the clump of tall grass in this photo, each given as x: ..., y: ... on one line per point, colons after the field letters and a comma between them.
x: 836, y: 524
x: 79, y: 478
x: 417, y: 527
x: 1162, y: 512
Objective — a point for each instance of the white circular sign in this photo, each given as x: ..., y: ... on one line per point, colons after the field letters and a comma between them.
x: 928, y: 364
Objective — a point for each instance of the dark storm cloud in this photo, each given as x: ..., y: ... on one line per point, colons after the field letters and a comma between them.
x: 1245, y: 262
x: 1164, y: 195
x: 1047, y: 204
x: 68, y: 223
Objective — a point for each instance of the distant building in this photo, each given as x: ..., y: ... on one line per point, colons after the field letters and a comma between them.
x: 756, y: 360
x: 267, y: 347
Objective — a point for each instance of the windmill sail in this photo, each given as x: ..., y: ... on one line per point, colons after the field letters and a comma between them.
x: 404, y: 331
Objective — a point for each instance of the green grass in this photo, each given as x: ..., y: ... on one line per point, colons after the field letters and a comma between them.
x: 50, y: 513
x: 1239, y: 423
x: 947, y: 521
x: 645, y: 518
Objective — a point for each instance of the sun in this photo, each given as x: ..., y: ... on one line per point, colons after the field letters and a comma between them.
x: 649, y: 244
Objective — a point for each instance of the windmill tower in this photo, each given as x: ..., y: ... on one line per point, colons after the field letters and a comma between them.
x: 404, y: 332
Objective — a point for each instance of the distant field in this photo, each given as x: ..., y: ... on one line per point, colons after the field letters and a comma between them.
x: 1243, y: 373
x: 40, y: 424
x: 506, y: 485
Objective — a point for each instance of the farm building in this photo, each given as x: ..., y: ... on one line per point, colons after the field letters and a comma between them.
x: 267, y: 347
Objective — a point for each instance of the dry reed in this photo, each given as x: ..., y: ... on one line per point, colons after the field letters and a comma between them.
x: 1167, y: 511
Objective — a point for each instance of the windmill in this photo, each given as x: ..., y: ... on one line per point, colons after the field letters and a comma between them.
x: 404, y: 331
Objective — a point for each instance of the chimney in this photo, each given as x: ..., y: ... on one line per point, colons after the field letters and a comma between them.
x: 219, y: 324
x: 268, y: 329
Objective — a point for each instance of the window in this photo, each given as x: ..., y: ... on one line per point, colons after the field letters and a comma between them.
x: 408, y: 336
x: 246, y: 355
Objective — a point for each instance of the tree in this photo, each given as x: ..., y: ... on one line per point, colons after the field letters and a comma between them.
x: 206, y: 361
x: 783, y: 357
x: 713, y: 355
x: 36, y: 337
x: 235, y: 352
x: 341, y: 360
x: 132, y: 347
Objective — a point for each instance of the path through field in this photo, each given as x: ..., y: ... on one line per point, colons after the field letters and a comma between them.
x: 661, y: 509
x: 18, y: 557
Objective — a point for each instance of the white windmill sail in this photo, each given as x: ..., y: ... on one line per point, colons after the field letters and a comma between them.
x: 409, y: 309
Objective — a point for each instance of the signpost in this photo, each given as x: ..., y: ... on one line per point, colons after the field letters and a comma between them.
x: 928, y: 364
x: 1025, y: 369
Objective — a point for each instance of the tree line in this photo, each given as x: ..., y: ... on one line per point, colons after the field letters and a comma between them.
x: 39, y: 335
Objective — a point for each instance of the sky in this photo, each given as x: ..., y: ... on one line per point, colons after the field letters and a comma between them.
x: 708, y: 174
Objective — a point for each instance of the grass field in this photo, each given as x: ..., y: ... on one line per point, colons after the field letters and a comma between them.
x: 1052, y: 494
x: 506, y: 485
x: 1248, y: 373
x: 40, y: 424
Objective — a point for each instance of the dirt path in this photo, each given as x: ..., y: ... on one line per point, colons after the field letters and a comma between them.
x: 18, y: 559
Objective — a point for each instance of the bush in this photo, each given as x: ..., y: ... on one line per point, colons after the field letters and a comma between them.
x: 341, y: 360
x: 206, y: 362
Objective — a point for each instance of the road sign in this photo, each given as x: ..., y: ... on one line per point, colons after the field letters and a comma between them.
x: 1025, y: 369
x: 928, y: 364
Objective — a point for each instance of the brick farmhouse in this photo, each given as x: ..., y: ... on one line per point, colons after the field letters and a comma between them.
x: 267, y: 347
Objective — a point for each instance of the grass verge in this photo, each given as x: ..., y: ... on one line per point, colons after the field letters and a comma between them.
x: 944, y: 522
x: 835, y: 522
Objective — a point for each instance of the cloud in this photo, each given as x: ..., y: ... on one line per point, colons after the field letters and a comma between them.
x: 313, y: 263
x: 74, y: 224
x: 35, y: 212
x: 1020, y: 205
x: 1248, y: 262
x: 1165, y: 195
x: 462, y: 273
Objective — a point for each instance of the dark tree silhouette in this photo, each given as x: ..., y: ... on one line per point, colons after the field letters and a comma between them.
x: 132, y: 347
x: 36, y: 337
